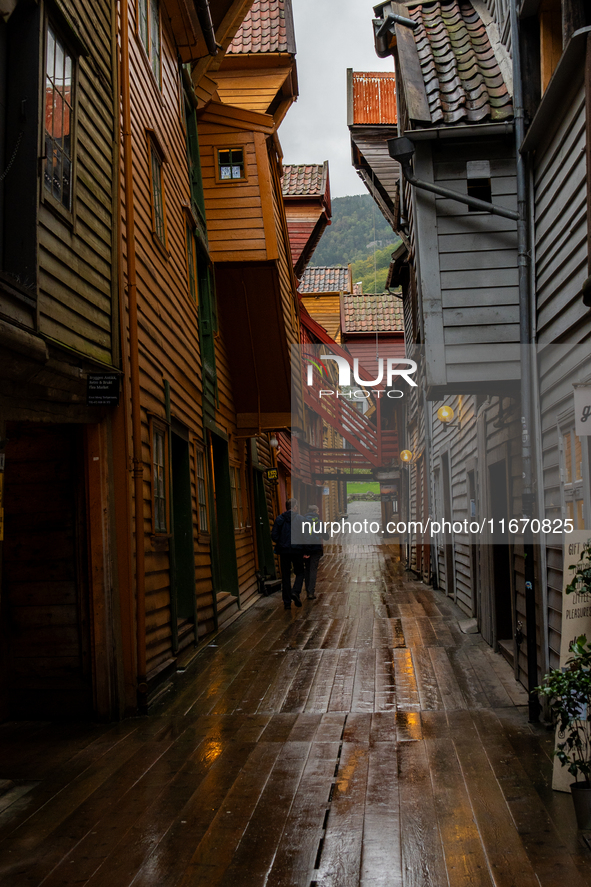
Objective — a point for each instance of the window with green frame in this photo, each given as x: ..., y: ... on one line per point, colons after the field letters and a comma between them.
x: 149, y: 31
x: 191, y: 260
x: 194, y: 160
x: 157, y: 194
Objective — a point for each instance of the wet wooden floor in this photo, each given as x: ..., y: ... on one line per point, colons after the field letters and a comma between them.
x: 362, y: 740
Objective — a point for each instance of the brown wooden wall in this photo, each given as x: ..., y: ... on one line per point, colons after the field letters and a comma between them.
x: 168, y: 317
x: 78, y: 252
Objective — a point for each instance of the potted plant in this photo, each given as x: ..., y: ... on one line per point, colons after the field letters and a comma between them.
x: 569, y: 693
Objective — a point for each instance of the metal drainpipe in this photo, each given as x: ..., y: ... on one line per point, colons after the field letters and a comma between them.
x: 526, y: 374
x: 538, y: 427
x: 204, y: 16
x: 136, y: 419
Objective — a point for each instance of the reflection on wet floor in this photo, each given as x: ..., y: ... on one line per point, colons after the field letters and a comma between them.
x: 362, y: 740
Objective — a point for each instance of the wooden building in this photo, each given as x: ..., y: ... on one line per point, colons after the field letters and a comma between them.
x: 59, y: 292
x: 458, y: 270
x: 306, y: 196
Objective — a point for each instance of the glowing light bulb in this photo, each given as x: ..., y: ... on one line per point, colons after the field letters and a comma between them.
x: 406, y: 456
x: 445, y: 414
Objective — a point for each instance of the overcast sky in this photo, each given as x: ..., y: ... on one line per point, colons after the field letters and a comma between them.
x: 330, y: 37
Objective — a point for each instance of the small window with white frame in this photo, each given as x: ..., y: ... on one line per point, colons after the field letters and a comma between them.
x: 159, y: 479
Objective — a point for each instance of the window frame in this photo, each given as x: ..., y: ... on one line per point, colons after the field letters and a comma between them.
x: 158, y: 427
x: 234, y: 147
x: 202, y: 506
x: 68, y: 44
x: 155, y: 152
x: 191, y: 258
x: 147, y: 46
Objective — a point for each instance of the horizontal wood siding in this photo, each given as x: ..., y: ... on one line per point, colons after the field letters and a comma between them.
x: 561, y: 268
x: 168, y: 323
x: 77, y: 253
x: 234, y: 212
x: 477, y: 263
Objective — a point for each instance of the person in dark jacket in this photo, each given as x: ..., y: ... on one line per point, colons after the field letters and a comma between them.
x: 287, y: 536
x: 313, y: 552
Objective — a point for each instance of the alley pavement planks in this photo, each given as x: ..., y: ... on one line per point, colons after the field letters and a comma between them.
x: 363, y: 740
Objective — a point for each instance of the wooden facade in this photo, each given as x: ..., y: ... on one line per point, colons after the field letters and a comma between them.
x: 146, y: 522
x: 459, y: 278
x: 59, y: 291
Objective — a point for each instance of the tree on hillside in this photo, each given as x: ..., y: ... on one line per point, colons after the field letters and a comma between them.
x: 356, y: 222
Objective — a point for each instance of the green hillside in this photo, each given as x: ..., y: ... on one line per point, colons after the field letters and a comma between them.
x: 352, y: 229
x: 363, y: 269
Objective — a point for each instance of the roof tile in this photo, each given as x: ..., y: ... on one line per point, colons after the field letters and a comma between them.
x: 463, y: 81
x: 304, y: 180
x: 372, y: 313
x: 268, y: 27
x: 325, y: 280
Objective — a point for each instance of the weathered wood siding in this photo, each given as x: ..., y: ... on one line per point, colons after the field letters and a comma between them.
x: 468, y: 268
x: 168, y: 319
x: 234, y: 210
x: 78, y: 253
x: 561, y: 268
x: 325, y: 309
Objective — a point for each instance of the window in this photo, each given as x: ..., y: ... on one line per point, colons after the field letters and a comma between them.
x: 231, y: 164
x: 159, y: 479
x: 59, y: 112
x: 149, y: 31
x: 201, y: 492
x: 157, y: 194
x: 236, y: 496
x: 191, y: 260
x: 479, y: 183
x: 194, y: 161
x: 573, y: 472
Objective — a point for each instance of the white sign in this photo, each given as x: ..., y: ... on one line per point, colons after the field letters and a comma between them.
x: 583, y: 411
x: 576, y: 620
x: 576, y: 608
x: 326, y: 491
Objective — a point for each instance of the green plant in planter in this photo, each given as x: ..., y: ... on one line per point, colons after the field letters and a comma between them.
x: 569, y: 694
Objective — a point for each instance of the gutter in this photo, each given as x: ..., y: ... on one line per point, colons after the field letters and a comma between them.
x: 204, y: 16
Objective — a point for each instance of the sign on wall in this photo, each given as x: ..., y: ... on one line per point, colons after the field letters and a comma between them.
x: 576, y: 620
x: 583, y: 411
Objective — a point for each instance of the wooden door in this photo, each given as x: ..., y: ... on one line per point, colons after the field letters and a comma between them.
x: 223, y: 542
x: 501, y: 559
x: 448, y: 518
x: 183, y: 579
x: 262, y: 526
x: 44, y: 621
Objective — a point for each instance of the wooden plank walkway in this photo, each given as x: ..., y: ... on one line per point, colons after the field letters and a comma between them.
x: 362, y: 741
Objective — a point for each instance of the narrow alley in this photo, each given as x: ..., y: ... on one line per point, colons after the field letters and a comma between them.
x: 363, y: 739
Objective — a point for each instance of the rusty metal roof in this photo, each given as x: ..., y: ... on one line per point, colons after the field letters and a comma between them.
x: 374, y: 97
x: 304, y: 180
x: 325, y: 279
x: 268, y: 27
x: 372, y: 313
x: 463, y: 81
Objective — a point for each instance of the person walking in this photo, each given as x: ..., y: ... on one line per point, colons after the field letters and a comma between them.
x: 313, y: 551
x: 286, y: 534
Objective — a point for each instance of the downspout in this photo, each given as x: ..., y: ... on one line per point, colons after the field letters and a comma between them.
x: 527, y: 496
x: 538, y: 429
x: 136, y: 419
x: 204, y: 16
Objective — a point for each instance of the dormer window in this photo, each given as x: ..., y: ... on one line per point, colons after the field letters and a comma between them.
x: 231, y: 164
